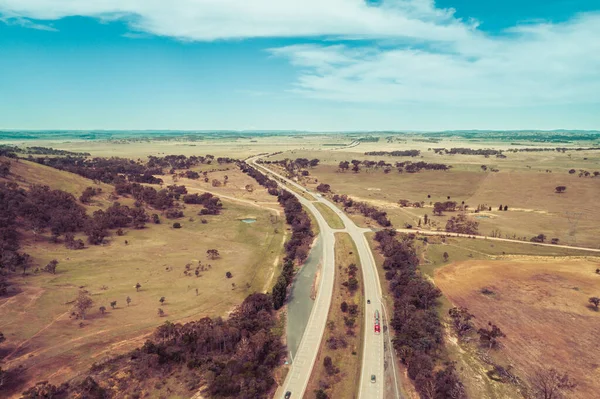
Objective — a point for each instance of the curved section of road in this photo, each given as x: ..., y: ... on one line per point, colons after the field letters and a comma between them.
x: 373, y: 345
x: 302, y: 364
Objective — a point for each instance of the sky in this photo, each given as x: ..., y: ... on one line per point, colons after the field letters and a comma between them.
x: 320, y: 65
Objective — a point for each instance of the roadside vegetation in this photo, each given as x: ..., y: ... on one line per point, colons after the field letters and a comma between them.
x: 337, y: 368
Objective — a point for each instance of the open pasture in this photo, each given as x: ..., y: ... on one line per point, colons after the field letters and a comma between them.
x: 541, y: 305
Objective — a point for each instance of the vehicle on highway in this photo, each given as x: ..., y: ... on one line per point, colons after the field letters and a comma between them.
x: 368, y: 301
x: 377, y: 316
x: 372, y: 377
x: 288, y: 395
x: 377, y: 328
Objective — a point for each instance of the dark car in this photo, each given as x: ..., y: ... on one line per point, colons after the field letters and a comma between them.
x: 288, y: 395
x: 368, y: 301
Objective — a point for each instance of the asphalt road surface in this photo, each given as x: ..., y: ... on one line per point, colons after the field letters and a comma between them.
x: 373, y: 348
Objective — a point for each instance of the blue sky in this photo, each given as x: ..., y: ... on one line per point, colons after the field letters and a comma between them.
x: 300, y: 64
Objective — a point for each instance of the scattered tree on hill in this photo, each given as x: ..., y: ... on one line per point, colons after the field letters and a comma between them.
x: 102, y: 309
x: 560, y: 189
x: 344, y: 166
x: 461, y: 320
x: 212, y: 253
x: 321, y: 394
x: 228, y: 275
x: 113, y: 304
x: 490, y: 336
x: 324, y: 188
x: 83, y: 302
x: 51, y: 266
x: 538, y: 238
x: 72, y: 243
x: 446, y: 256
x: 176, y: 225
x: 505, y: 207
x: 595, y: 301
x: 572, y: 171
x: 161, y: 312
x: 162, y: 300
x: 138, y: 286
x: 550, y: 384
x: 462, y: 224
x: 128, y: 300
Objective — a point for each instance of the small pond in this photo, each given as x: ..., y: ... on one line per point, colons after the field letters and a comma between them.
x: 249, y: 220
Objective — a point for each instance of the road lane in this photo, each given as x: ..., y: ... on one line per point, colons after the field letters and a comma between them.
x: 373, y: 345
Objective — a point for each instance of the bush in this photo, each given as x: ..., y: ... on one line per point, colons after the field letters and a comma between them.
x: 176, y: 225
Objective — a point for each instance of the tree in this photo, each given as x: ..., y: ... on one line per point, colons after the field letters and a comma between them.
x: 489, y: 336
x: 446, y: 256
x: 461, y: 319
x: 161, y: 312
x: 228, y: 275
x: 113, y: 304
x: 506, y: 207
x: 344, y: 306
x: 155, y: 218
x: 212, y: 253
x: 162, y: 300
x: 102, y: 309
x: 538, y: 238
x: 128, y: 300
x: 137, y: 287
x: 438, y: 208
x: 83, y: 302
x: 550, y: 384
x: 176, y: 225
x: 51, y: 266
x: 560, y: 189
x: 321, y: 394
x: 344, y: 166
x: 595, y: 301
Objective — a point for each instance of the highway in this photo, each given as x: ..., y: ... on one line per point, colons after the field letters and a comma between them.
x: 373, y: 346
x: 303, y: 363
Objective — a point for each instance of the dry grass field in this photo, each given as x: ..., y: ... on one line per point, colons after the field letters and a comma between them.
x: 47, y: 344
x: 533, y: 205
x: 344, y: 383
x: 541, y: 304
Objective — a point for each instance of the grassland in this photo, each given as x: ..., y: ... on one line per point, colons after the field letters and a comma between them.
x: 525, y: 183
x: 344, y: 383
x: 499, y: 256
x: 48, y: 344
x: 541, y: 305
x: 332, y: 219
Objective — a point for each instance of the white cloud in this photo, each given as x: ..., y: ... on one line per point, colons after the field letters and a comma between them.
x: 415, y: 52
x: 530, y: 65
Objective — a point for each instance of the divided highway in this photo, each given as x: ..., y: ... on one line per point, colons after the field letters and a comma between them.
x: 302, y: 365
x: 373, y: 345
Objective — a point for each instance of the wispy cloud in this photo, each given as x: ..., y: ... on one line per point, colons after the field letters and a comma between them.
x: 228, y: 19
x: 24, y: 22
x: 392, y: 51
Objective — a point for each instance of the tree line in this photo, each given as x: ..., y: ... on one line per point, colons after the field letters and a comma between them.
x: 419, y: 332
x: 12, y: 150
x: 298, y: 246
x: 364, y: 208
x: 405, y: 153
x: 401, y: 167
